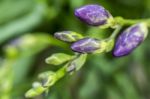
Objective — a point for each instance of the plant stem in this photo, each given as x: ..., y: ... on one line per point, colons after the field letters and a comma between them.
x: 61, y: 72
x: 122, y: 21
x: 116, y: 31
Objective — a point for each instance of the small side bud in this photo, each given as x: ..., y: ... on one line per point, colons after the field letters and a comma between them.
x: 47, y: 78
x: 86, y: 45
x: 77, y: 63
x: 58, y: 58
x: 94, y: 15
x: 131, y: 38
x: 36, y: 90
x: 68, y: 36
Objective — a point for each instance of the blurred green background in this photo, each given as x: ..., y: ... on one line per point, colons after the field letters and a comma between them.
x: 26, y: 39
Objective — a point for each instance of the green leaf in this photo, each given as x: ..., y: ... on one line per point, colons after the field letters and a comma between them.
x: 27, y: 45
x: 127, y: 86
x: 12, y: 9
x: 21, y: 67
x: 90, y: 85
x: 22, y: 24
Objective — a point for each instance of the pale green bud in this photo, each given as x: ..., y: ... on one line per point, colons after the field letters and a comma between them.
x: 68, y: 36
x: 77, y: 63
x: 48, y: 78
x: 36, y: 90
x: 58, y: 58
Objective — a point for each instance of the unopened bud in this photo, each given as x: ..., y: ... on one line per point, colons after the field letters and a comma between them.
x: 36, y: 90
x: 68, y: 36
x: 86, y: 45
x: 94, y: 15
x: 131, y: 38
x: 47, y: 78
x: 58, y: 58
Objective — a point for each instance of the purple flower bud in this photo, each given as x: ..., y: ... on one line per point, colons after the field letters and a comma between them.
x: 94, y: 15
x: 86, y: 45
x: 130, y: 39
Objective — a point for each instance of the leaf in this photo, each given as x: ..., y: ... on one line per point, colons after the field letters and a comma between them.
x: 22, y: 24
x: 21, y: 68
x: 12, y: 9
x: 126, y: 86
x: 90, y: 86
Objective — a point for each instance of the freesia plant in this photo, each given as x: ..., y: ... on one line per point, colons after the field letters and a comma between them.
x: 121, y: 42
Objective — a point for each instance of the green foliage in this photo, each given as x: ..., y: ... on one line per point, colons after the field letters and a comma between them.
x: 24, y: 16
x: 32, y: 23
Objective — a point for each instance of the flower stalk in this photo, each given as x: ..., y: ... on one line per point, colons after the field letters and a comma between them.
x: 97, y: 16
x: 121, y: 21
x: 49, y: 78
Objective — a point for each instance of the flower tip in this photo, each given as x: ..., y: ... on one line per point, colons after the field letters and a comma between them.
x: 93, y: 14
x: 119, y: 53
x: 76, y: 13
x: 56, y: 35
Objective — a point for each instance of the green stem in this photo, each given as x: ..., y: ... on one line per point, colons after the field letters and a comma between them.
x: 6, y: 76
x: 116, y: 31
x: 53, y: 78
x: 61, y: 73
x: 122, y: 21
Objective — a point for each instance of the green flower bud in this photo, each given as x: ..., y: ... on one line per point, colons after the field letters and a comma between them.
x: 48, y: 78
x: 77, y: 63
x: 58, y: 58
x: 68, y: 36
x: 36, y: 90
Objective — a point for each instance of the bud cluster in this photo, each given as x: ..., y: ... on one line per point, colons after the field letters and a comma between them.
x: 93, y: 15
x: 96, y: 15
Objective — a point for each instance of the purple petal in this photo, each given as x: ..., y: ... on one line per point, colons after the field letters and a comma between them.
x: 93, y: 14
x: 86, y: 45
x: 130, y: 39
